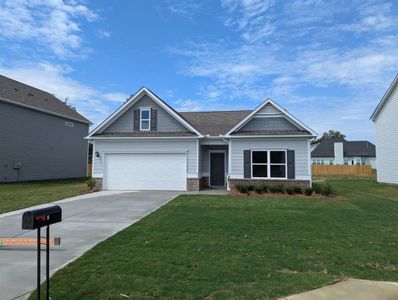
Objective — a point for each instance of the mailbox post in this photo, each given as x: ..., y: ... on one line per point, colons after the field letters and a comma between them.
x: 36, y: 219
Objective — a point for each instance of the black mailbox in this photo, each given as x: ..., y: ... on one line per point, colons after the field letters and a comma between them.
x: 41, y: 217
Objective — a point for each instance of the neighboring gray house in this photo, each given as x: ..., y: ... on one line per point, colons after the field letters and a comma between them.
x: 40, y: 136
x: 338, y: 151
x: 385, y: 118
x: 147, y: 145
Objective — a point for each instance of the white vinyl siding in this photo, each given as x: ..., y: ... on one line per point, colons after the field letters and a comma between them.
x: 387, y: 140
x: 299, y: 145
x: 147, y: 146
x: 165, y: 122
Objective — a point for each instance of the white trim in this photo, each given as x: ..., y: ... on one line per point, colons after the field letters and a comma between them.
x: 383, y: 100
x: 269, y: 136
x: 148, y: 109
x: 44, y: 111
x: 145, y: 152
x: 309, y: 161
x: 130, y: 102
x: 268, y: 164
x: 285, y: 112
x: 198, y: 157
x: 225, y: 166
x: 140, y: 137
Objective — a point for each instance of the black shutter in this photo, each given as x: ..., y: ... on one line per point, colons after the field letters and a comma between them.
x: 247, y: 164
x: 136, y: 120
x: 291, y: 165
x: 154, y: 119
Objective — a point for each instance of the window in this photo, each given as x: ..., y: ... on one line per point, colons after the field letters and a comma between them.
x: 331, y: 162
x: 269, y: 164
x: 145, y: 120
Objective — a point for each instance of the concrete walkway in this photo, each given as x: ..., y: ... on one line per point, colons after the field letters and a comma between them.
x: 87, y: 220
x: 352, y: 289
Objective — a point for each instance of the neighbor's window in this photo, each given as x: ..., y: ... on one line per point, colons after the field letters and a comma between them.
x: 268, y: 164
x: 145, y: 118
x: 331, y: 162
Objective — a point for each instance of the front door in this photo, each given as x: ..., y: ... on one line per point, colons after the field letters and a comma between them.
x: 217, y: 169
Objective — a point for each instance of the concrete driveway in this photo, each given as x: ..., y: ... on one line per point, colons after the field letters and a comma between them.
x: 87, y: 220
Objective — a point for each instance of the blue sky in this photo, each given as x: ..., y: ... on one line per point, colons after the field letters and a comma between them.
x: 327, y: 62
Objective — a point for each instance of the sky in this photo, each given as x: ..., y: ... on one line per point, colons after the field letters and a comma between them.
x: 327, y: 62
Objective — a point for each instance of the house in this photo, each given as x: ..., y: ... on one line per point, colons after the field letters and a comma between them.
x: 147, y: 145
x: 338, y: 151
x: 385, y: 118
x: 40, y: 136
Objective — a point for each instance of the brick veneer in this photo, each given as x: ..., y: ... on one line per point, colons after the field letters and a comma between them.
x: 193, y: 184
x: 98, y: 184
x: 302, y: 183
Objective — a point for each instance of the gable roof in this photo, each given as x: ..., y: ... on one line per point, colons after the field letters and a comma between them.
x: 350, y: 148
x: 18, y: 93
x: 206, y: 123
x: 215, y: 123
x: 385, y: 98
x: 130, y: 102
x: 304, y: 128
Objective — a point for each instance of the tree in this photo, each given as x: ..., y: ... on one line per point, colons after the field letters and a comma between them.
x: 331, y: 134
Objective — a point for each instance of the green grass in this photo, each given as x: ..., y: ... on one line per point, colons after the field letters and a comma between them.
x: 14, y: 196
x: 221, y: 247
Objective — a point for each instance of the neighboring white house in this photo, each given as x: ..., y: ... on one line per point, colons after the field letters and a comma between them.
x: 147, y: 145
x: 338, y: 151
x: 385, y: 118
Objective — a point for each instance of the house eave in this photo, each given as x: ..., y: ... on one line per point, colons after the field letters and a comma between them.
x: 142, y: 137
x: 43, y: 111
x: 383, y: 100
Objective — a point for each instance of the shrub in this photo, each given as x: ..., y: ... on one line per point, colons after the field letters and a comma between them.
x: 258, y: 189
x: 327, y: 190
x: 250, y: 187
x: 317, y: 187
x: 309, y: 191
x: 91, y: 183
x: 264, y: 188
x: 290, y: 190
x: 241, y: 188
x: 323, y: 189
x: 276, y: 188
x: 298, y: 189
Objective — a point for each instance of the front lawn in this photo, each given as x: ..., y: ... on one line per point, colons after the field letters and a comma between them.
x: 14, y: 196
x: 222, y: 247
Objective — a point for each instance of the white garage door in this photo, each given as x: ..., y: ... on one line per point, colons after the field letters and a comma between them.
x: 146, y: 171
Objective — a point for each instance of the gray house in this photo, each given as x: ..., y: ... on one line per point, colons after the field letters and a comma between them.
x: 40, y: 136
x: 338, y: 151
x: 147, y: 145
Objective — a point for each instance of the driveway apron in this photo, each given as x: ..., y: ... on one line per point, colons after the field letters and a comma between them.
x: 87, y: 220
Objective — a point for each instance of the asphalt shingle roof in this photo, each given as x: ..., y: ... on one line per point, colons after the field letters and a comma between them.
x: 215, y: 123
x: 24, y: 94
x: 354, y: 148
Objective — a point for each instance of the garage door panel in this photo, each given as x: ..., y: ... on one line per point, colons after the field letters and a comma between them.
x: 147, y: 171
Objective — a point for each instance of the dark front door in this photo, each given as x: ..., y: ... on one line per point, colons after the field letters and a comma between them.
x: 217, y: 169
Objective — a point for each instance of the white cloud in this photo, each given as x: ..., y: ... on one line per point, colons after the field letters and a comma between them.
x: 187, y: 105
x: 104, y: 33
x: 91, y: 102
x: 52, y: 24
x: 186, y: 9
x: 293, y: 51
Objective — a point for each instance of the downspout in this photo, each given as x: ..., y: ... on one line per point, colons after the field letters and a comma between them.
x: 229, y: 161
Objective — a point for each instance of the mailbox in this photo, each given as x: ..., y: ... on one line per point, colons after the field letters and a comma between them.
x: 37, y: 218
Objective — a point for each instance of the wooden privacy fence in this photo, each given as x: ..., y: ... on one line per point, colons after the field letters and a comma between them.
x: 355, y: 170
